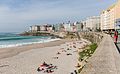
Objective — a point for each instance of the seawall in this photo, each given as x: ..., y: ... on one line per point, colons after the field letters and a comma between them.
x: 95, y: 37
x: 105, y: 59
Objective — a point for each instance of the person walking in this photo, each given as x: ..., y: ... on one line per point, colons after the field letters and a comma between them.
x: 115, y: 36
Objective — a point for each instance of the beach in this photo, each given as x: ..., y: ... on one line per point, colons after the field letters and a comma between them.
x: 8, y: 52
x: 26, y: 59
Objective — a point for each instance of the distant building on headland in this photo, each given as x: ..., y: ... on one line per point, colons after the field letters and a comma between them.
x: 89, y: 24
x: 62, y: 27
x: 69, y: 27
x: 41, y: 28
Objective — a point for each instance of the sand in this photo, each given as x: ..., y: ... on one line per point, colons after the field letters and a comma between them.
x: 27, y: 62
x: 8, y: 52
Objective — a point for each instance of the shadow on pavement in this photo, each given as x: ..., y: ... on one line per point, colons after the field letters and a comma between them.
x: 117, y: 47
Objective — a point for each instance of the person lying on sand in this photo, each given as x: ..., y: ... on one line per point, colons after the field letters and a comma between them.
x: 42, y: 66
x: 49, y: 71
x: 74, y: 46
x: 55, y: 57
x: 45, y: 64
x: 68, y: 49
x: 49, y: 68
x: 78, y: 65
x: 69, y: 54
x: 58, y: 53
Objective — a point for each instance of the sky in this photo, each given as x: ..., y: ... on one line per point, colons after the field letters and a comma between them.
x: 18, y: 15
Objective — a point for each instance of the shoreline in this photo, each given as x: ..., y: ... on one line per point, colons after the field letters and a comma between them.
x: 27, y: 61
x: 12, y: 51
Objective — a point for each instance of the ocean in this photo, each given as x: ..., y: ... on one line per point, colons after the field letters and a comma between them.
x: 12, y: 40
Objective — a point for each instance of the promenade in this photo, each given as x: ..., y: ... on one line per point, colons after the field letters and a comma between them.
x: 105, y: 60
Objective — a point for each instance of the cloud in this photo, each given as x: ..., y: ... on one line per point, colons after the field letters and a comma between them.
x: 35, y: 11
x: 20, y: 13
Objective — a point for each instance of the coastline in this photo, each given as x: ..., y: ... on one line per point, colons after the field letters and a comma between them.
x: 29, y: 58
x: 12, y: 51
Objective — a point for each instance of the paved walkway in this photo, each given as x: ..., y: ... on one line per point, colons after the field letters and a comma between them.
x: 105, y: 60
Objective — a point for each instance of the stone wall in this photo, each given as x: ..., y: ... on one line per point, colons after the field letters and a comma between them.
x: 94, y: 37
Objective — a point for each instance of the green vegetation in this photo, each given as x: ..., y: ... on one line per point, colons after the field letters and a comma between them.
x: 86, y: 53
x: 79, y: 70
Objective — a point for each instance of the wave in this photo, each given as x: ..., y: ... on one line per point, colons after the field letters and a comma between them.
x: 12, y: 38
x: 20, y: 38
x: 27, y: 43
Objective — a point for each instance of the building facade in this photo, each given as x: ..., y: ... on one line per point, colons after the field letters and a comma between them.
x: 79, y: 26
x: 92, y: 23
x: 41, y: 28
x: 34, y: 28
x: 108, y: 19
x: 117, y: 14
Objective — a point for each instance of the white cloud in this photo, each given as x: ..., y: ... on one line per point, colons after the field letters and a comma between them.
x: 19, y: 13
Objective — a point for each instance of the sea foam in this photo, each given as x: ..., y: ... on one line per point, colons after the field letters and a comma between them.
x: 27, y: 43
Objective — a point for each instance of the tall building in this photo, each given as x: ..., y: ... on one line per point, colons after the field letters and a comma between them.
x: 83, y: 25
x: 67, y: 26
x: 110, y: 18
x: 34, y: 28
x: 41, y: 28
x: 117, y: 14
x: 93, y: 23
x: 78, y: 26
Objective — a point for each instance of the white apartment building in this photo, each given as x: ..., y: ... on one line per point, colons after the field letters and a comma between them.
x: 108, y: 19
x: 34, y: 28
x: 38, y: 28
x: 93, y: 23
x: 67, y: 26
x: 104, y: 25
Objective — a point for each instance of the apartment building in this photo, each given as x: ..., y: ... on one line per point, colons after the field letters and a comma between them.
x: 34, y: 28
x: 117, y: 14
x: 110, y: 18
x: 92, y: 23
x: 40, y: 28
